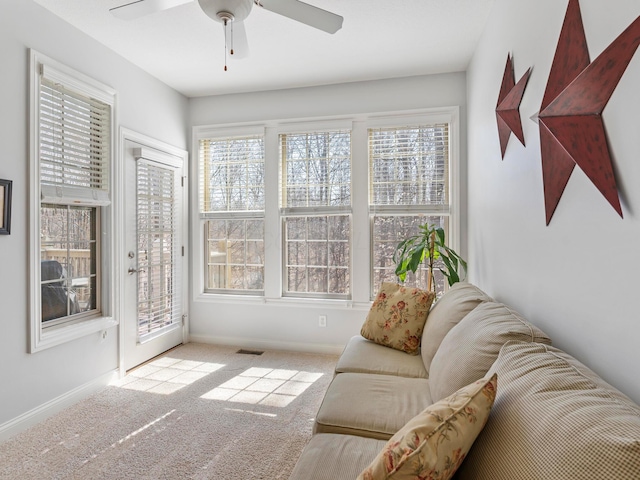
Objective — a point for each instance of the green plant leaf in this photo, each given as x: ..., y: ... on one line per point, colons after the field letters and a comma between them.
x: 447, y: 263
x: 400, y: 268
x: 454, y: 262
x: 416, y: 259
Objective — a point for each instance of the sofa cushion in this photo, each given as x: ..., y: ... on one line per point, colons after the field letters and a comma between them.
x: 371, y: 405
x: 364, y: 356
x: 554, y: 418
x: 397, y: 317
x: 435, y: 442
x: 330, y: 456
x: 470, y: 348
x: 452, y: 307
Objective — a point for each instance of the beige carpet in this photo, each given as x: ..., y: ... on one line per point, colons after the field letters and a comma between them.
x: 198, y: 412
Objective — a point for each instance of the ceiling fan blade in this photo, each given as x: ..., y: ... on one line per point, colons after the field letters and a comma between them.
x: 304, y: 13
x: 140, y: 8
x: 240, y: 43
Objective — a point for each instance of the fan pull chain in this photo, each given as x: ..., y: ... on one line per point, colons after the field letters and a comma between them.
x: 225, y: 45
x: 231, y: 50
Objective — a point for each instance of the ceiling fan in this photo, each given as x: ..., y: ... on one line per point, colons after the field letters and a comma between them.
x: 231, y: 13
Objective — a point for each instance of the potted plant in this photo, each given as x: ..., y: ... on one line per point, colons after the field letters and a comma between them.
x: 429, y: 245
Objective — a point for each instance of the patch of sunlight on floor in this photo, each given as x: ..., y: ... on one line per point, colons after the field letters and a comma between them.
x: 166, y: 375
x: 264, y: 386
x: 156, y: 423
x: 143, y: 428
x: 259, y: 414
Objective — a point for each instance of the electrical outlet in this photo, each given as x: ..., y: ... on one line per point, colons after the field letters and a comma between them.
x: 322, y: 321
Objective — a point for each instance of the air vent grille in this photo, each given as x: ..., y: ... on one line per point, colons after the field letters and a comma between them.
x: 249, y: 352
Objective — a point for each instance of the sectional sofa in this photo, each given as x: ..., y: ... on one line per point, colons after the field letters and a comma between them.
x: 551, y: 417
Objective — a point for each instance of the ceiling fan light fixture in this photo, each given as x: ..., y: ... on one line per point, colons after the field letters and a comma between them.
x: 238, y: 9
x: 225, y: 17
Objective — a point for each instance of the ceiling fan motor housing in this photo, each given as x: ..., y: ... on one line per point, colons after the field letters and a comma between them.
x: 226, y: 10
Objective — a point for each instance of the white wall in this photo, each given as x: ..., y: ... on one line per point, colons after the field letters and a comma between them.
x: 294, y: 325
x: 29, y: 381
x: 577, y: 279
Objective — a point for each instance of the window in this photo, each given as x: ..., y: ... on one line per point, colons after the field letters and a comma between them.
x: 158, y: 225
x: 68, y: 262
x: 316, y: 207
x: 409, y: 186
x: 313, y: 209
x: 72, y: 121
x: 232, y: 209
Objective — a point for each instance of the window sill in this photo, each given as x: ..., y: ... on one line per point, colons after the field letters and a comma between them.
x: 47, y: 338
x: 288, y: 301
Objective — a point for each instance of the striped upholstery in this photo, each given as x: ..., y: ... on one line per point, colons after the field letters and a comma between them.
x: 364, y: 356
x: 370, y: 405
x: 470, y: 348
x: 553, y: 418
x: 333, y: 457
x: 459, y: 300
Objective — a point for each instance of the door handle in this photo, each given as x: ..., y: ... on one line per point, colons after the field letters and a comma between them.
x: 132, y: 270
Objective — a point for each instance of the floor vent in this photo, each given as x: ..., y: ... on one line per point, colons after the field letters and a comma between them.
x: 249, y: 352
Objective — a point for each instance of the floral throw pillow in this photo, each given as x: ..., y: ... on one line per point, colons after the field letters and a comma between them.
x: 397, y: 317
x: 433, y: 444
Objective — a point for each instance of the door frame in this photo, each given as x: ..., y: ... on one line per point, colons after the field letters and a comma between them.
x: 119, y: 189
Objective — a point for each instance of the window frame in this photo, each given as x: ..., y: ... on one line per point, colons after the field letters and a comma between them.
x: 77, y: 326
x: 314, y: 295
x: 360, y: 253
x: 230, y: 216
x: 202, y: 218
x: 96, y: 222
x: 450, y: 212
x: 307, y: 212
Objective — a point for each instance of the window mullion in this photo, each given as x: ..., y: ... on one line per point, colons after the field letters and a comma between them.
x: 360, y: 258
x: 69, y: 272
x: 328, y: 262
x: 306, y: 243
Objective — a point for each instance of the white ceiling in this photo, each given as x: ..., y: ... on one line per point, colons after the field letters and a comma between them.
x: 379, y: 39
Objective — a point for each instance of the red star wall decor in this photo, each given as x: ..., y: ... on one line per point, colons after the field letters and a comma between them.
x: 508, y: 108
x: 570, y: 120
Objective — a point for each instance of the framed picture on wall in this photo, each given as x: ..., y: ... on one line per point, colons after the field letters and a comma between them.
x: 5, y: 207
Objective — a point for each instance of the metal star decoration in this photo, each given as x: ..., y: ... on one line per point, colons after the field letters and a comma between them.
x: 570, y: 119
x: 508, y: 108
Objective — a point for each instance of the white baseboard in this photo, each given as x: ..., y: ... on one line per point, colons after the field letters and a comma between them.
x: 255, y: 343
x: 44, y: 411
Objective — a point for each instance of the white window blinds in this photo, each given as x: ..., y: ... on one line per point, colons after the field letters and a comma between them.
x: 75, y: 146
x: 232, y: 175
x: 316, y: 169
x: 410, y: 166
x: 159, y: 275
